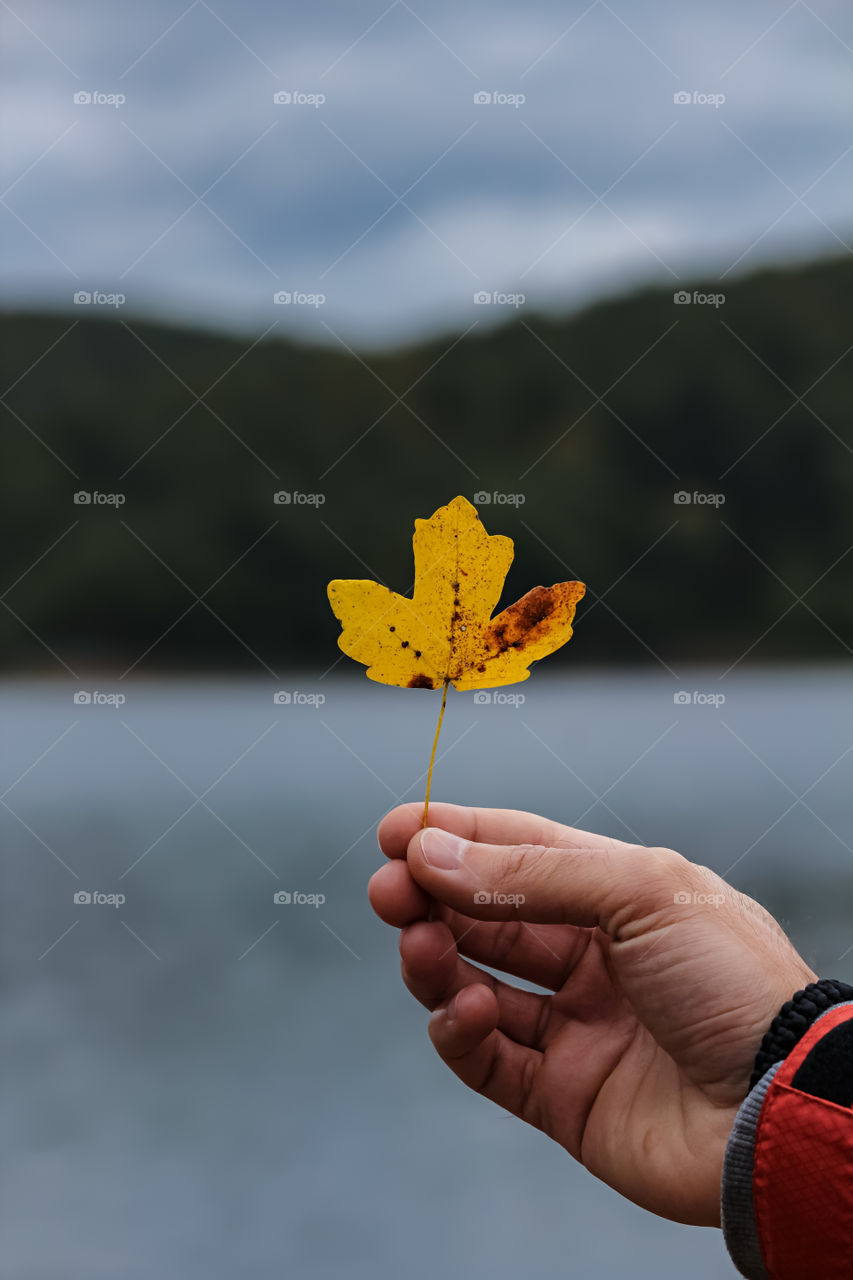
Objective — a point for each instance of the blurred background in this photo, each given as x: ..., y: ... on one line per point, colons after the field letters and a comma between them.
x: 275, y: 284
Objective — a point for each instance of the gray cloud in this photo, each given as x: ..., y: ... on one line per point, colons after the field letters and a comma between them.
x: 493, y: 196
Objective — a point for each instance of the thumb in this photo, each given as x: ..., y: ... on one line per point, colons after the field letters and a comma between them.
x: 607, y: 884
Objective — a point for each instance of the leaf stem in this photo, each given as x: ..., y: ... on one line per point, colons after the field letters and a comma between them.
x: 432, y: 757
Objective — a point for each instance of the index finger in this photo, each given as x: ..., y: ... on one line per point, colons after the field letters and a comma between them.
x: 484, y: 826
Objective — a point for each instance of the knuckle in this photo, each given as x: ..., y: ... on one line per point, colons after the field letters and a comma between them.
x: 661, y: 880
x: 671, y: 870
x: 684, y: 884
x: 669, y: 859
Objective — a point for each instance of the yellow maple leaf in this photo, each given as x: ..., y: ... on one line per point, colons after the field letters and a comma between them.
x: 446, y: 633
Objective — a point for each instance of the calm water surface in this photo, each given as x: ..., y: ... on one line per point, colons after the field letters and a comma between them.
x: 203, y: 1083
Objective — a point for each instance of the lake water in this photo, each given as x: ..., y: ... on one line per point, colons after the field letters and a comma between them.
x: 202, y: 1083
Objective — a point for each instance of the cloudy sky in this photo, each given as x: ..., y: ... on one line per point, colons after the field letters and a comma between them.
x: 380, y: 184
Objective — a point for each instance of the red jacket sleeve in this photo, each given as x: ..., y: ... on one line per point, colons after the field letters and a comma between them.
x: 788, y: 1177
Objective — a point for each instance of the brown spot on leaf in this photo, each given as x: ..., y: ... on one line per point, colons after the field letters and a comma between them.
x: 404, y: 644
x: 534, y: 608
x: 496, y: 638
x: 528, y: 619
x: 420, y: 682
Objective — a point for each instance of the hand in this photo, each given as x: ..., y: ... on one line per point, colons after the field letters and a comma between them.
x: 664, y: 980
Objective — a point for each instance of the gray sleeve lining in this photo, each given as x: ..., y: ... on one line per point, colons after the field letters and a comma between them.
x: 738, y: 1214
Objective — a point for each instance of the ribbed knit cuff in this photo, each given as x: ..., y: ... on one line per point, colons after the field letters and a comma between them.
x: 738, y: 1212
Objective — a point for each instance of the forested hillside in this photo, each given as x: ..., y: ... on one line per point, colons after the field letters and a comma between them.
x: 594, y: 421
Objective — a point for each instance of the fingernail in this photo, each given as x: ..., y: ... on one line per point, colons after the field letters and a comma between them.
x: 445, y: 1011
x: 441, y: 849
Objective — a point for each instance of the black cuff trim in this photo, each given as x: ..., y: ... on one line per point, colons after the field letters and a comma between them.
x: 825, y: 1072
x: 793, y: 1021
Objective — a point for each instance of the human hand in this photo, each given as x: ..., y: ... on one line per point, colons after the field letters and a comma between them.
x: 664, y: 980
